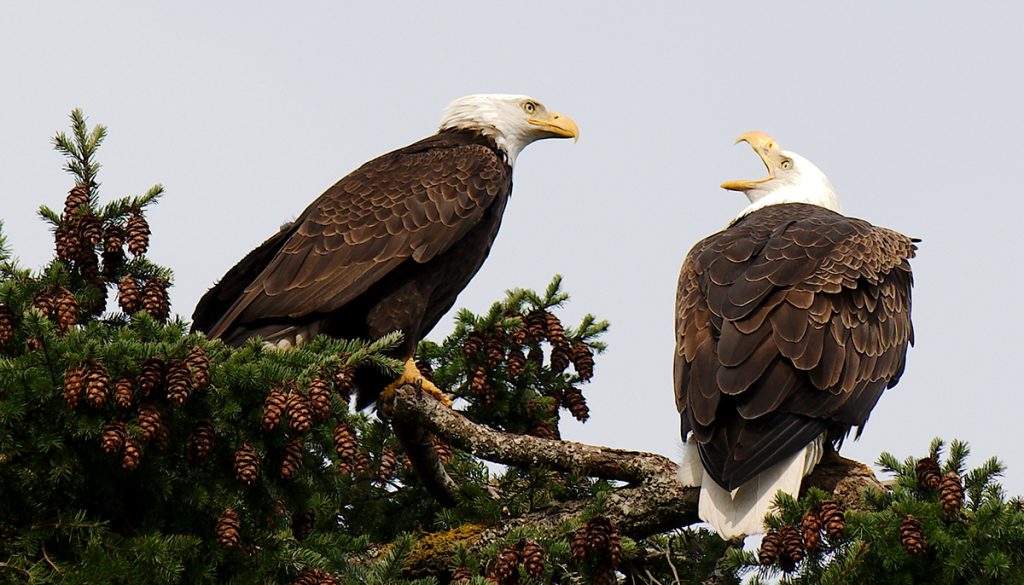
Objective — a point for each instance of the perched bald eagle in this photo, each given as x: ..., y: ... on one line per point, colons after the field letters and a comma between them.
x: 790, y: 323
x: 391, y: 245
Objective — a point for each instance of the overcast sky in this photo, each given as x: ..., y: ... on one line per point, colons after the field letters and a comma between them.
x: 245, y: 113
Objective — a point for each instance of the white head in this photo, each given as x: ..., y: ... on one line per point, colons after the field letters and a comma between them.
x: 791, y: 178
x: 512, y: 121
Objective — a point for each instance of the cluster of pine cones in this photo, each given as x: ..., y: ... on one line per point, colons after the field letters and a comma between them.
x: 504, y: 569
x: 787, y: 545
x: 157, y: 383
x: 598, y: 543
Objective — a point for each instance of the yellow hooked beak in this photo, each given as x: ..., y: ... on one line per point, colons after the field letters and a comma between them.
x: 768, y: 149
x: 557, y: 125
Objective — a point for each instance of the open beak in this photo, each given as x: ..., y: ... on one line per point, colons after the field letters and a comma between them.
x: 770, y: 153
x: 557, y: 125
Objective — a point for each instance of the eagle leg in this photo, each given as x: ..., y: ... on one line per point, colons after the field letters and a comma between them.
x: 412, y: 375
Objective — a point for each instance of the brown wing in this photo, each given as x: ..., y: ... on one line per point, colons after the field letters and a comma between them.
x: 789, y: 323
x: 411, y: 203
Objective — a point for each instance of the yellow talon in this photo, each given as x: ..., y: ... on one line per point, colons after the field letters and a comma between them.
x: 412, y: 375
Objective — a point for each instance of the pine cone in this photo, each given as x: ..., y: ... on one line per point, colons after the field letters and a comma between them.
x: 77, y: 197
x: 361, y: 464
x: 273, y: 408
x: 811, y: 528
x: 138, y: 233
x: 771, y: 546
x: 472, y: 345
x: 345, y: 381
x: 574, y: 401
x: 74, y: 386
x: 494, y: 348
x: 154, y: 300
x: 202, y: 442
x: 151, y: 378
x: 554, y: 330
x: 314, y: 577
x: 461, y: 574
x: 345, y: 442
x: 792, y: 547
x: 519, y: 335
x: 534, y: 559
x: 6, y: 325
x: 303, y: 525
x: 583, y: 360
x: 579, y: 546
x: 90, y: 230
x: 179, y: 382
x: 97, y: 385
x: 44, y: 301
x: 561, y: 356
x: 89, y: 266
x: 228, y: 526
x: 33, y: 344
x: 129, y: 297
x: 66, y: 309
x: 833, y: 517
x: 516, y: 361
x: 291, y: 460
x: 912, y: 537
x: 928, y: 473
x: 132, y: 454
x: 200, y: 366
x: 113, y: 439
x: 113, y: 239
x: 150, y: 421
x: 123, y: 393
x: 505, y: 565
x: 482, y: 387
x: 951, y: 493
x: 536, y: 356
x: 320, y: 398
x: 247, y: 464
x: 386, y: 467
x: 536, y: 324
x: 443, y: 450
x: 300, y: 413
x: 66, y: 241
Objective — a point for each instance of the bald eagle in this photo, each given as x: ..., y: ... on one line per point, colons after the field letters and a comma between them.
x: 790, y: 323
x: 391, y: 245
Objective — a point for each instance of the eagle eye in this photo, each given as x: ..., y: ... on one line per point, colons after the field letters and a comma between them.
x: 786, y: 164
x: 529, y: 107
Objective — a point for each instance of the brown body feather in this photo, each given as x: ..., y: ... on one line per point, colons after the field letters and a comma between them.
x: 386, y: 248
x: 790, y: 323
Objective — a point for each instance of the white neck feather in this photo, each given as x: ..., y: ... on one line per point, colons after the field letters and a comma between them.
x: 804, y: 184
x: 496, y: 116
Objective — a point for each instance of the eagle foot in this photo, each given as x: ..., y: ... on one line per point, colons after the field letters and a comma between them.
x: 412, y: 375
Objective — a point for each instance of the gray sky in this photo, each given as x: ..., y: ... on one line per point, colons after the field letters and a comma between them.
x: 246, y: 113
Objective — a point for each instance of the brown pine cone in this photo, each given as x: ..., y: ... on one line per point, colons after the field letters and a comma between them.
x: 113, y: 439
x: 202, y: 442
x: 44, y: 301
x: 228, y: 526
x: 579, y: 547
x: 481, y: 386
x: 951, y: 493
x: 833, y: 518
x: 113, y: 239
x: 516, y: 361
x: 89, y: 266
x: 792, y: 547
x: 97, y: 385
x: 132, y: 454
x: 200, y: 366
x: 472, y: 345
x: 320, y: 398
x: 536, y: 356
x: 179, y: 382
x: 554, y: 330
x: 151, y: 377
x: 66, y: 241
x: 912, y: 536
x: 771, y: 546
x: 123, y: 393
x: 77, y: 197
x: 247, y: 464
x: 928, y: 473
x: 150, y: 421
x: 74, y: 386
x: 494, y: 348
x: 65, y: 308
x: 361, y: 464
x: 314, y: 577
x: 534, y: 559
x: 138, y: 233
x: 33, y: 344
x: 811, y: 529
x: 505, y: 565
x: 291, y: 459
x: 273, y: 408
x: 387, y: 465
x: 461, y: 574
x: 583, y: 360
x: 345, y: 381
x: 573, y: 400
x: 519, y: 335
x: 303, y: 524
x: 90, y: 230
x: 154, y: 300
x: 536, y: 324
x: 444, y: 450
x: 300, y: 413
x: 345, y: 442
x: 6, y: 325
x: 129, y: 297
x: 561, y: 356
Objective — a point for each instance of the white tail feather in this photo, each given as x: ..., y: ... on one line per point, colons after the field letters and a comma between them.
x: 742, y: 511
x: 691, y: 471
